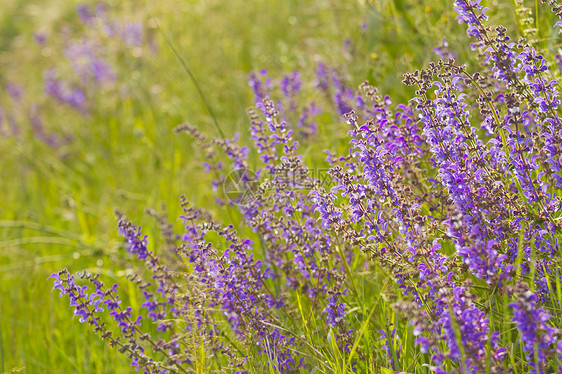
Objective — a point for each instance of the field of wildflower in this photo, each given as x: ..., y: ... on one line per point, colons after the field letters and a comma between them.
x: 323, y: 186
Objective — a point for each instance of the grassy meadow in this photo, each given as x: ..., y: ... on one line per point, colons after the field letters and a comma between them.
x: 66, y: 170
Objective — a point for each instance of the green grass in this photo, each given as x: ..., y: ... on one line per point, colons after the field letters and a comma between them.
x: 57, y: 206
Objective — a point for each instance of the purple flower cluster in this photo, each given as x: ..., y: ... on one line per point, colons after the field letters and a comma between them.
x: 83, y: 68
x: 89, y: 308
x: 18, y: 113
x: 63, y: 92
x: 538, y: 337
x: 454, y: 197
x: 91, y: 57
x: 288, y: 101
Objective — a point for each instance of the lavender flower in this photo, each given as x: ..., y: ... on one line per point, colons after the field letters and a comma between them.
x: 537, y: 335
x: 87, y: 65
x: 453, y: 198
x: 132, y: 34
x: 64, y: 92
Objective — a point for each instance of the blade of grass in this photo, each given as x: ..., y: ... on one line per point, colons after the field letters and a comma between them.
x: 361, y: 332
x: 195, y: 83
